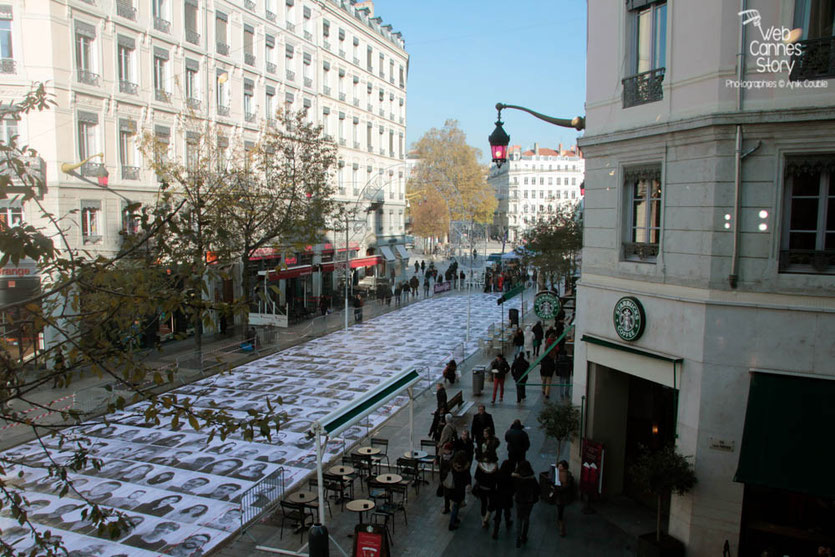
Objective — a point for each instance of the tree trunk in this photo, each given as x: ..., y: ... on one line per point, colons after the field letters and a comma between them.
x: 658, y: 522
x: 246, y: 292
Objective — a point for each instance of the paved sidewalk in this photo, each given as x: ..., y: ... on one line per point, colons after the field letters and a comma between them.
x: 426, y: 534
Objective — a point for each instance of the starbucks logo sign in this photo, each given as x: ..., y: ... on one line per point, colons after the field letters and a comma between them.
x: 546, y: 305
x: 629, y: 318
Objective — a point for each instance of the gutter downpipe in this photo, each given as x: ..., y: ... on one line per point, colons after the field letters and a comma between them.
x: 740, y: 74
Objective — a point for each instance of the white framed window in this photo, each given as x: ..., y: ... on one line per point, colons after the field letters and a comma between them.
x: 91, y: 222
x: 269, y: 103
x: 643, y: 191
x: 807, y: 239
x: 649, y: 32
x: 249, y: 104
x: 221, y: 33
x: 128, y: 151
x: 8, y: 129
x: 7, y: 62
x: 161, y: 71
x: 125, y: 52
x: 86, y: 62
x: 249, y: 44
x: 87, y: 137
x: 11, y: 213
x: 222, y: 89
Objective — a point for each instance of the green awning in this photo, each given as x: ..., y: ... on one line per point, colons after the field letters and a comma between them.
x: 788, y: 441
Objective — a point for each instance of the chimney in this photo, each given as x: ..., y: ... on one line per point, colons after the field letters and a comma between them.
x: 536, y: 148
x: 559, y: 150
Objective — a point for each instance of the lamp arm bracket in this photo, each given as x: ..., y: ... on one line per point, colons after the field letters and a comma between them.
x: 66, y: 168
x: 578, y: 122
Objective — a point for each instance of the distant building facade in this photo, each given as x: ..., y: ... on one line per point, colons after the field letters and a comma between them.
x: 531, y: 186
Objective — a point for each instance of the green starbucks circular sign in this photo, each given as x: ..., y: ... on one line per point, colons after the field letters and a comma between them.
x: 629, y: 318
x: 546, y: 305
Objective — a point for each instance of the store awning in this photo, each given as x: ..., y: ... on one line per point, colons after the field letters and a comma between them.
x: 366, y: 261
x: 387, y: 253
x: 402, y: 251
x: 788, y: 434
x: 641, y: 362
x: 292, y: 272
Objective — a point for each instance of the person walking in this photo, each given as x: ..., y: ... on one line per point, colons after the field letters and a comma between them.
x: 440, y: 410
x: 417, y: 267
x: 517, y: 441
x: 456, y: 484
x: 518, y: 342
x: 564, y: 493
x: 484, y: 488
x: 426, y: 286
x: 538, y: 335
x: 462, y: 277
x: 414, y: 282
x: 563, y: 371
x: 465, y: 444
x: 517, y: 371
x: 488, y: 446
x: 503, y: 497
x: 499, y: 368
x: 444, y: 469
x: 481, y: 421
x: 546, y: 372
x: 448, y: 433
x: 422, y: 266
x: 528, y: 342
x: 526, y: 494
x: 357, y: 308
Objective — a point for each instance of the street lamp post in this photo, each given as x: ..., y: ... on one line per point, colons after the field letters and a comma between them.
x: 499, y: 139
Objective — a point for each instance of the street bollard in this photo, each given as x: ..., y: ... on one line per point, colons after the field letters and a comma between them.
x: 318, y: 541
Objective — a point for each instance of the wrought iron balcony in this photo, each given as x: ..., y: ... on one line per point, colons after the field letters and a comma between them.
x: 807, y: 260
x: 356, y: 101
x: 7, y: 65
x: 88, y: 77
x: 128, y: 87
x: 816, y: 60
x: 270, y: 15
x: 308, y: 35
x: 223, y: 111
x: 642, y: 88
x: 162, y: 95
x: 381, y: 112
x: 402, y: 119
x: 356, y: 61
x: 308, y: 82
x: 369, y: 108
x: 391, y: 116
x: 391, y: 80
x: 271, y: 68
x: 193, y: 103
x: 382, y: 151
x: 291, y: 75
x: 326, y: 45
x: 192, y: 36
x: 162, y: 25
x: 326, y: 90
x: 249, y: 5
x: 249, y: 59
x: 249, y: 117
x: 342, y: 96
x: 370, y: 148
x: 92, y: 169
x: 223, y: 48
x: 290, y: 27
x: 356, y: 144
x: 642, y: 251
x: 341, y: 53
x: 125, y: 10
x: 342, y: 141
x: 130, y: 172
x: 89, y: 239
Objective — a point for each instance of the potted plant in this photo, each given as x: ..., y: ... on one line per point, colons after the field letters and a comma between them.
x: 560, y: 421
x: 661, y: 473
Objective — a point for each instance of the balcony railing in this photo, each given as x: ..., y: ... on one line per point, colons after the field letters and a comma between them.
x: 326, y: 90
x: 381, y: 112
x: 162, y: 96
x: 816, y: 59
x: 192, y: 36
x: 402, y: 120
x: 7, y: 65
x: 249, y: 59
x: 369, y: 108
x: 341, y: 53
x: 308, y: 35
x: 193, y: 103
x: 391, y: 116
x: 88, y: 77
x: 326, y: 45
x: 642, y: 251
x: 162, y: 25
x: 271, y: 68
x: 370, y: 149
x: 130, y: 172
x: 356, y: 101
x: 356, y: 61
x: 308, y: 82
x: 807, y: 260
x: 89, y: 239
x: 249, y: 5
x: 342, y: 142
x: 356, y: 144
x: 249, y: 117
x: 270, y: 15
x: 290, y: 27
x: 342, y: 96
x: 391, y: 80
x: 128, y: 87
x: 223, y: 48
x: 223, y: 111
x: 382, y: 151
x: 92, y: 169
x: 126, y: 11
x: 291, y: 75
x: 645, y: 87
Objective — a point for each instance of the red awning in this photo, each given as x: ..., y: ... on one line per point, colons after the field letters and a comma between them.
x: 292, y: 272
x: 366, y: 261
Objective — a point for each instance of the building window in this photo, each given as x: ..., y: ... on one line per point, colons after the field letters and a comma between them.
x: 161, y: 75
x: 125, y: 52
x: 11, y: 214
x: 221, y: 33
x: 817, y: 43
x: 269, y: 103
x: 249, y: 108
x: 7, y: 62
x: 87, y: 140
x: 85, y: 37
x: 190, y: 16
x: 643, y: 192
x: 131, y: 221
x: 222, y: 92
x: 648, y: 51
x: 369, y: 59
x: 269, y: 53
x: 249, y: 45
x: 159, y: 9
x: 807, y: 243
x: 91, y: 222
x: 127, y: 150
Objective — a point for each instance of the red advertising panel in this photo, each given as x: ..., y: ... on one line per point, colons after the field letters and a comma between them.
x: 370, y: 541
x: 591, y: 475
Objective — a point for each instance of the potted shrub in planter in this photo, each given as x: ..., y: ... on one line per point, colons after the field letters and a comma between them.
x: 560, y: 421
x: 661, y: 473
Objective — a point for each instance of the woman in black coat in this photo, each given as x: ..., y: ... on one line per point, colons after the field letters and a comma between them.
x: 503, y: 497
x: 527, y: 493
x: 486, y: 472
x: 455, y: 486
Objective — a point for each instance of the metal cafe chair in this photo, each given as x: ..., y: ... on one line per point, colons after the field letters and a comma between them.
x: 383, y: 445
x: 296, y: 514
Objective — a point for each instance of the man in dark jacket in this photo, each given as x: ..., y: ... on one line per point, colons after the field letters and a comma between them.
x: 538, y: 335
x: 517, y: 370
x: 435, y: 429
x: 518, y: 442
x: 480, y: 421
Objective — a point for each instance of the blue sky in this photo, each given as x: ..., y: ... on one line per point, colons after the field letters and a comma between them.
x: 467, y: 55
